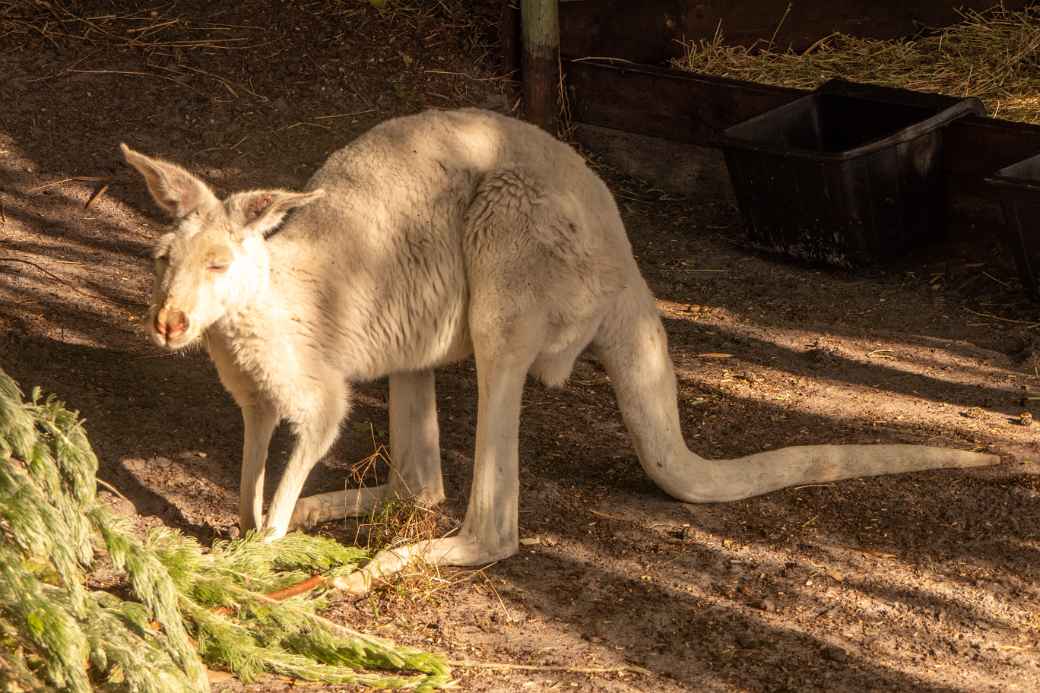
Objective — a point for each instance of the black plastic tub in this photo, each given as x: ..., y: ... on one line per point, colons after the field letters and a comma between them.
x: 848, y: 175
x: 1018, y: 187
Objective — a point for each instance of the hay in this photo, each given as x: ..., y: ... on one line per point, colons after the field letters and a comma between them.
x: 993, y: 55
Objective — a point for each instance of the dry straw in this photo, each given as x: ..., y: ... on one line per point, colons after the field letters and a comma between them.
x: 993, y: 55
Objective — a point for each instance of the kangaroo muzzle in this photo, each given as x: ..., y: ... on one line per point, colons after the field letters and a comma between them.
x: 170, y: 323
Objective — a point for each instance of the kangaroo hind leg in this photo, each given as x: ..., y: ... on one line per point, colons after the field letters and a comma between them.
x: 490, y: 530
x: 415, y: 438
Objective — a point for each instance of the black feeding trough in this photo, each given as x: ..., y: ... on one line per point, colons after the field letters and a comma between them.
x: 1018, y: 187
x: 848, y: 175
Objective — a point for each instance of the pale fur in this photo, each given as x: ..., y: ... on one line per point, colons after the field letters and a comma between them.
x: 431, y: 238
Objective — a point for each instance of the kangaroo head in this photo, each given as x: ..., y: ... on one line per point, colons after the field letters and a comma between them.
x: 214, y: 259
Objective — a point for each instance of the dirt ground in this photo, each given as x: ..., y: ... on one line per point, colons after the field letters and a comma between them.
x: 924, y: 582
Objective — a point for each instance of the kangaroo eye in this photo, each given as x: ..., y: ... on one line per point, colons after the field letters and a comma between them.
x: 217, y: 267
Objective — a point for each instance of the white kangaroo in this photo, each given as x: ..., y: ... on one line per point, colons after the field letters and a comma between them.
x: 428, y: 239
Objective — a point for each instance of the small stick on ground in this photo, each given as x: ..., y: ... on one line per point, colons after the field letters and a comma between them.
x: 50, y: 274
x: 223, y: 147
x: 299, y: 588
x: 345, y: 115
x: 109, y: 487
x: 991, y: 316
x: 506, y: 666
x: 138, y: 73
x: 303, y: 587
x: 96, y: 194
x: 63, y: 181
x: 1003, y: 283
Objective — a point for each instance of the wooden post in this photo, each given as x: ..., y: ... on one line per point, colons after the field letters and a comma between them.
x: 541, y: 36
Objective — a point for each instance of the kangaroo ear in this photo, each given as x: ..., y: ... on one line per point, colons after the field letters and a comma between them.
x: 260, y: 211
x: 174, y: 189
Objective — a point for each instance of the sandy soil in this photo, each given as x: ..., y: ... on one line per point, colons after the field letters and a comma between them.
x: 924, y: 582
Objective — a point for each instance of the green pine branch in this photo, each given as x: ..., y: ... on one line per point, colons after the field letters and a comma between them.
x: 191, y: 607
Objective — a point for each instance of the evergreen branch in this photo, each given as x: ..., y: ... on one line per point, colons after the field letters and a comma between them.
x: 36, y: 527
x: 250, y: 606
x: 154, y: 587
x: 224, y: 641
x: 15, y: 674
x: 51, y: 629
x: 133, y: 655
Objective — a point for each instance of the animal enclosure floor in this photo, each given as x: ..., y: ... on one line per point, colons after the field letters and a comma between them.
x: 925, y: 582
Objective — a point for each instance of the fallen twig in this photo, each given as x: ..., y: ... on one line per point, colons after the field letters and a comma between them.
x: 1003, y: 283
x: 223, y: 147
x: 345, y: 115
x: 95, y: 195
x: 506, y: 666
x: 137, y: 73
x: 471, y: 77
x: 112, y: 489
x: 991, y: 316
x: 63, y: 181
x: 683, y: 269
x: 50, y: 274
x: 303, y: 587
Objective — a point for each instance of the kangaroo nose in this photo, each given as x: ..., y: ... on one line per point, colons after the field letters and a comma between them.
x: 170, y: 323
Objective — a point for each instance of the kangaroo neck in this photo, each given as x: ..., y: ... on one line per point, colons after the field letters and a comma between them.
x: 251, y: 339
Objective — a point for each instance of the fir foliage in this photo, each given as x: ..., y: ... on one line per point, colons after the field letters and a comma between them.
x: 189, y: 607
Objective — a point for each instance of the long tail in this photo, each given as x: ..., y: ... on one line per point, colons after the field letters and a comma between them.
x: 634, y: 349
